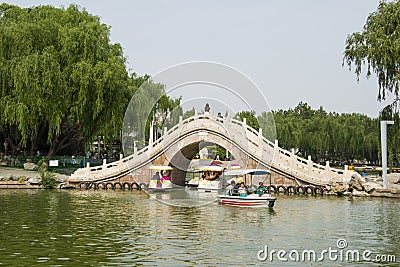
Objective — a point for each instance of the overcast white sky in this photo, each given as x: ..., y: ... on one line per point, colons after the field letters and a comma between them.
x: 291, y: 49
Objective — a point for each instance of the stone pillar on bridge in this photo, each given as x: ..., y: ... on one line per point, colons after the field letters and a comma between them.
x: 180, y: 121
x: 260, y: 135
x: 310, y: 167
x: 151, y: 134
x: 328, y: 173
x: 293, y: 160
x: 276, y: 158
x: 260, y: 142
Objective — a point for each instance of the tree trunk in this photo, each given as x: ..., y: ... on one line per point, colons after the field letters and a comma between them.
x: 70, y: 137
x: 40, y: 134
x: 14, y: 147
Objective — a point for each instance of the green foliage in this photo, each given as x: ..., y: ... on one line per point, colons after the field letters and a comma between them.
x: 326, y: 136
x: 221, y: 152
x: 149, y: 103
x: 189, y: 113
x: 48, y: 180
x: 267, y: 123
x: 251, y: 119
x: 377, y: 47
x: 59, y: 72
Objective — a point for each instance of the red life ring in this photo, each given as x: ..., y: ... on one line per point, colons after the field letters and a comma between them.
x: 208, y: 177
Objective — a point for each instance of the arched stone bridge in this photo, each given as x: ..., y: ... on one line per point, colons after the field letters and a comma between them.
x: 178, y: 145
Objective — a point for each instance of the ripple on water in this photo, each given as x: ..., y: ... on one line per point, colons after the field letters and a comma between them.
x: 129, y: 228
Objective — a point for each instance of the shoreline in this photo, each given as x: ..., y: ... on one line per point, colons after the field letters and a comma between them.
x: 16, y: 174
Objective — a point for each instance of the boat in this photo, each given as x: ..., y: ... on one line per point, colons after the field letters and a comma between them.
x: 231, y: 196
x: 252, y: 200
x: 194, y: 182
x: 210, y: 182
x: 160, y: 182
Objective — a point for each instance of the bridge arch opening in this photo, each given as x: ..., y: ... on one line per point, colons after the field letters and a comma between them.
x: 181, y: 154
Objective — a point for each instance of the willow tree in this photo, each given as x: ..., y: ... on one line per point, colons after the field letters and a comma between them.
x: 61, y: 79
x: 149, y: 104
x: 377, y: 48
x: 327, y: 136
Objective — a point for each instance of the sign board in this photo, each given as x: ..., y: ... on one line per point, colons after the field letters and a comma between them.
x: 53, y: 163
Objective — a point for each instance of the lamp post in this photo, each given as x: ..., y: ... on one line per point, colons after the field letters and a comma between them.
x: 384, y: 150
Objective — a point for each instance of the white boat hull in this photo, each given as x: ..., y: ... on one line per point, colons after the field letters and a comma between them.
x: 253, y: 200
x: 155, y: 185
x: 208, y: 186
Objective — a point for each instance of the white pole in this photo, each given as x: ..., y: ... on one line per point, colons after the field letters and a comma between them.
x: 384, y: 150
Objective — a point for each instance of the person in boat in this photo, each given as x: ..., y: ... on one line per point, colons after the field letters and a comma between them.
x: 260, y: 189
x: 157, y: 178
x: 165, y: 177
x: 242, y: 190
x: 231, y: 188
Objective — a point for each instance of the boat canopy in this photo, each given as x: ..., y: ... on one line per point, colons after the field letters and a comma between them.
x: 213, y: 168
x: 234, y: 166
x: 162, y: 168
x: 246, y: 171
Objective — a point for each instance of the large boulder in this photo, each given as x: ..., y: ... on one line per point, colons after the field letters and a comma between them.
x: 13, y: 178
x: 30, y: 166
x: 370, y: 186
x: 61, y: 178
x: 337, y: 188
x: 357, y: 193
x: 393, y: 178
x: 34, y: 180
x: 355, y: 183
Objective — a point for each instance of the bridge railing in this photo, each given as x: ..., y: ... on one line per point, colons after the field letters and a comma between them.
x: 257, y: 144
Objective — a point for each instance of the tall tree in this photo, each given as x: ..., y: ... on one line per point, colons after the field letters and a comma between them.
x: 377, y: 47
x: 61, y: 79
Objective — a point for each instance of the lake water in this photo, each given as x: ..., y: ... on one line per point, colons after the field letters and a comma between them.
x: 129, y: 228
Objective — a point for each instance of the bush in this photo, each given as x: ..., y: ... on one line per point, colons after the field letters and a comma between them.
x: 48, y: 178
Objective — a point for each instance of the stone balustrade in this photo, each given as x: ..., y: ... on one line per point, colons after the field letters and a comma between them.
x: 250, y: 141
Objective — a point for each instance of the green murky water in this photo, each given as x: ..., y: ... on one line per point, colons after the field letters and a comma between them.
x: 115, y: 228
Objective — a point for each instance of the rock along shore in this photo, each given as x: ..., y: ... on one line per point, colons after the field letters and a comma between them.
x: 365, y: 187
x: 13, y: 178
